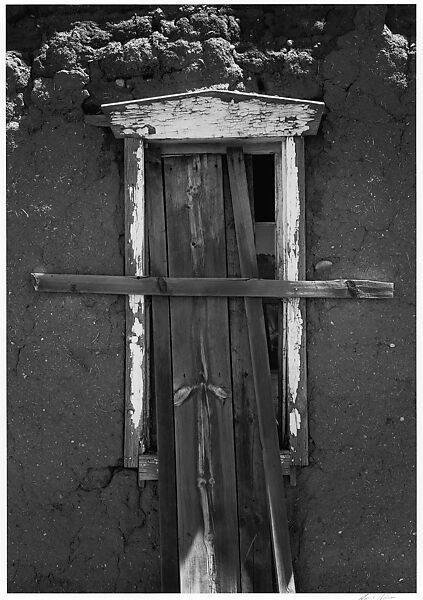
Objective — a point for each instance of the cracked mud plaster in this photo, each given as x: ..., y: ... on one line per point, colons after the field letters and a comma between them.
x: 77, y: 520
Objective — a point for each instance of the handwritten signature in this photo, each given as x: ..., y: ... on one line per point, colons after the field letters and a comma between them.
x: 378, y: 597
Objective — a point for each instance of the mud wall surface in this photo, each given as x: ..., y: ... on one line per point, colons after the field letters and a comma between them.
x: 77, y: 520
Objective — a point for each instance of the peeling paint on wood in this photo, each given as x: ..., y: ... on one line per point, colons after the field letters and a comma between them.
x: 294, y: 422
x: 290, y: 265
x: 294, y: 339
x: 136, y: 348
x: 214, y: 115
x: 136, y: 389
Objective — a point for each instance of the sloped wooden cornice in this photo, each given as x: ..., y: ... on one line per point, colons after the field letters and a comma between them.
x: 211, y: 115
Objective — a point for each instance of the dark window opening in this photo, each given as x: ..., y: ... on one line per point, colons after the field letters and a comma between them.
x: 264, y: 187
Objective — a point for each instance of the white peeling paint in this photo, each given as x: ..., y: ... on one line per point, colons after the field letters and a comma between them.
x: 35, y: 280
x: 208, y: 117
x: 137, y: 358
x: 292, y: 212
x: 294, y: 422
x: 293, y: 346
x: 137, y: 221
x: 136, y: 423
x: 292, y: 208
x: 289, y: 224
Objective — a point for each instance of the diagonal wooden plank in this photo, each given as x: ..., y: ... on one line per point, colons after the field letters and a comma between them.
x: 254, y: 526
x: 262, y: 378
x: 162, y: 376
x: 137, y: 410
x: 205, y: 461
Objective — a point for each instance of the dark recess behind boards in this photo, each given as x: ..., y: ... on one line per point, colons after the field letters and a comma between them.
x: 264, y: 187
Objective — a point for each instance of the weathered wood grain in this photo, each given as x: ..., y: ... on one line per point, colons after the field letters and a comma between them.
x: 262, y: 377
x: 205, y: 461
x: 137, y: 409
x: 163, y: 385
x: 254, y: 526
x: 148, y: 468
x: 211, y: 286
x: 290, y: 265
x: 213, y: 115
x: 250, y: 146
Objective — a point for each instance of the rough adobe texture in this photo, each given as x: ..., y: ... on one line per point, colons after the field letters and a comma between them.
x: 77, y: 520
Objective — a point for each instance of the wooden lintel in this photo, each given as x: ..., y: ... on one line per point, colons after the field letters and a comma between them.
x: 227, y: 95
x: 148, y: 469
x: 213, y: 115
x: 212, y: 286
x: 213, y: 146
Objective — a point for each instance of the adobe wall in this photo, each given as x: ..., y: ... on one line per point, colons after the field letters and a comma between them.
x: 77, y: 520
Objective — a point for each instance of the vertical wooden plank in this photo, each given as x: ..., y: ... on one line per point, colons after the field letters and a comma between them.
x: 261, y: 374
x: 205, y: 461
x: 162, y: 376
x: 136, y: 389
x: 254, y: 526
x: 290, y: 261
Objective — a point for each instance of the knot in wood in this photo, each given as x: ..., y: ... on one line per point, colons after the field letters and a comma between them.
x: 162, y: 284
x: 352, y: 288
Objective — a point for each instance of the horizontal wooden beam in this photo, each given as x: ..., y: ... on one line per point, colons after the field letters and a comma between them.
x: 173, y: 286
x: 148, y: 466
x: 249, y: 146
